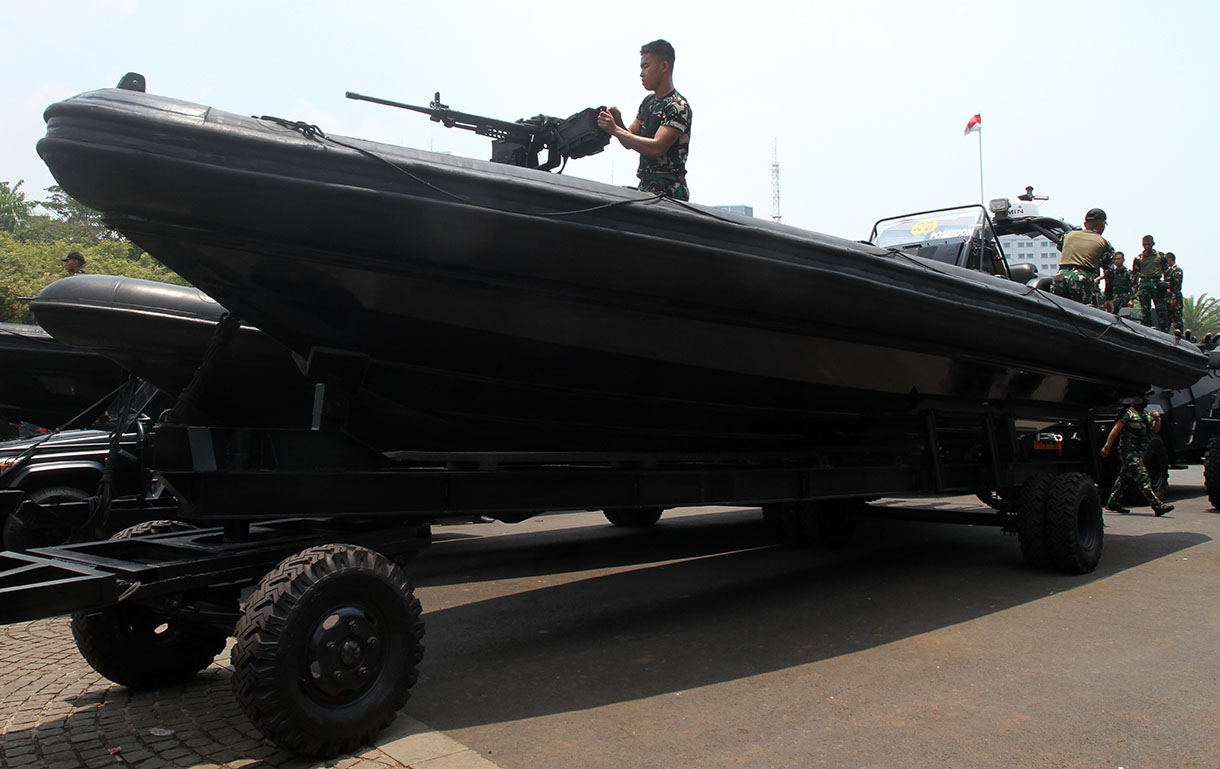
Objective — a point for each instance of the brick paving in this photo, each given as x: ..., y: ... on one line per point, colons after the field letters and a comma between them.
x: 57, y: 713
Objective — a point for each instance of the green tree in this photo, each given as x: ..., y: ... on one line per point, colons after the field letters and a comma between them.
x: 1201, y: 315
x: 77, y: 222
x: 14, y: 208
x: 26, y: 267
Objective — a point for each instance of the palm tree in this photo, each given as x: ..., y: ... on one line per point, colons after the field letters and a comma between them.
x: 14, y: 208
x: 1201, y: 315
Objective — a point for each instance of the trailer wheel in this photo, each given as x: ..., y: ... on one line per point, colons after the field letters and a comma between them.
x: 634, y: 517
x: 1031, y: 521
x: 1074, y: 523
x: 824, y: 523
x: 1211, y: 471
x: 138, y: 648
x: 327, y: 649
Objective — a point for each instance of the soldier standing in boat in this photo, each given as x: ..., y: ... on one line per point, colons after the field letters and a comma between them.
x: 661, y: 129
x: 74, y: 263
x: 1148, y: 275
x: 1118, y: 284
x: 1133, y: 430
x: 1085, y: 253
x: 1173, y: 276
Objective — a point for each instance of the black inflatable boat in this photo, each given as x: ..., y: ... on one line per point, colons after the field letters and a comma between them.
x: 495, y: 307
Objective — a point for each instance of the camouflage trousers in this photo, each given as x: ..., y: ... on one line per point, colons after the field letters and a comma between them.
x: 1121, y: 301
x: 1077, y: 285
x: 667, y: 186
x: 1148, y: 293
x: 1132, y: 473
x: 1175, y: 313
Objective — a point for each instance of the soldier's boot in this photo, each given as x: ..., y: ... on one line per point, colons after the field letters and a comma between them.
x: 1114, y: 507
x: 1160, y: 508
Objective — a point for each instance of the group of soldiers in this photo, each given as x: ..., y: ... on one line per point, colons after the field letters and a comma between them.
x: 1154, y: 280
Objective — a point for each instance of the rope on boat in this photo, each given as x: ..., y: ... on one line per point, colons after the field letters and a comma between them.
x: 1028, y: 290
x: 310, y: 131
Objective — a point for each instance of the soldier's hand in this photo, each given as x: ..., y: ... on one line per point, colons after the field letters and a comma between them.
x: 606, y: 121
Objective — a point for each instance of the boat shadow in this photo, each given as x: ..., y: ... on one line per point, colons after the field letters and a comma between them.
x: 599, y: 615
x: 700, y: 617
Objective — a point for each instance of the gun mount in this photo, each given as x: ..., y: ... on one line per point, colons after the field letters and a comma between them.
x: 519, y: 143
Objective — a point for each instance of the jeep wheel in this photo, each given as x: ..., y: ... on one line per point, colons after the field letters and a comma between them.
x: 41, y: 528
x: 1211, y: 471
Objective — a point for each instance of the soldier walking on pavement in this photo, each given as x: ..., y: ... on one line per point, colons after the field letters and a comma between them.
x: 1149, y: 270
x: 1133, y: 430
x: 1173, y: 276
x: 1085, y: 252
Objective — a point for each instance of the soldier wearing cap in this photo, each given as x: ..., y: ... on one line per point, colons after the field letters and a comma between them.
x: 74, y: 263
x: 1149, y: 269
x: 1084, y: 253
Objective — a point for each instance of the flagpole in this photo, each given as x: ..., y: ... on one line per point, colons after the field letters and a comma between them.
x: 982, y: 201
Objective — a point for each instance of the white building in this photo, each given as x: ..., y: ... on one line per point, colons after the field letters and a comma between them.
x: 1039, y: 251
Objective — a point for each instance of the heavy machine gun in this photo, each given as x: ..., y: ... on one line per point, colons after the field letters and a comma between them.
x: 519, y: 143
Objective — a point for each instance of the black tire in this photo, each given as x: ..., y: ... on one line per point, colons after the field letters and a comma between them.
x: 1074, y: 529
x: 824, y: 523
x: 141, y: 649
x: 634, y: 517
x: 1000, y: 501
x: 22, y: 533
x: 1211, y: 471
x: 327, y: 649
x: 1031, y: 521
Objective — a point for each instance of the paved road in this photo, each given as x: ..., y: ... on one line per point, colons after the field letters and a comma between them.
x: 564, y: 642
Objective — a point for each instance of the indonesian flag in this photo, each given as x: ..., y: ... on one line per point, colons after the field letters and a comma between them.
x: 973, y: 124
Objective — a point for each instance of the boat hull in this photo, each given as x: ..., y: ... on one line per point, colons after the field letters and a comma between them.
x: 503, y: 308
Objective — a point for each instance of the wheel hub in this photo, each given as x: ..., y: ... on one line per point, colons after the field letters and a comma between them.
x: 346, y: 653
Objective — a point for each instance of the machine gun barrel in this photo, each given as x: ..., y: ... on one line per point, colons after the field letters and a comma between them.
x: 440, y: 113
x: 518, y: 143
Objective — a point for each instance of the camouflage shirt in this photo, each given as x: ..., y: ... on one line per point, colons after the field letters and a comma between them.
x: 665, y: 174
x: 1086, y: 250
x: 1137, y: 430
x: 1118, y: 283
x: 1151, y: 266
x: 1173, y: 276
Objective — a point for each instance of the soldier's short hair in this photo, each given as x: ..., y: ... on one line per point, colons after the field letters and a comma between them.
x: 659, y: 48
x: 1169, y: 255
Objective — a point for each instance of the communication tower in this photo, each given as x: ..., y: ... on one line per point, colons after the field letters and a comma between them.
x: 775, y: 180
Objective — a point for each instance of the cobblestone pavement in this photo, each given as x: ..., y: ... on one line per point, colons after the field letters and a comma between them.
x: 57, y: 713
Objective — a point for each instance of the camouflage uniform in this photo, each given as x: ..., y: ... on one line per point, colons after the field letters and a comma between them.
x: 1173, y: 276
x: 1149, y: 272
x: 1118, y: 287
x: 1132, y: 443
x: 1084, y: 253
x: 665, y: 174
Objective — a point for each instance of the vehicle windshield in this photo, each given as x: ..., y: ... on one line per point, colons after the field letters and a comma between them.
x: 930, y: 228
x: 146, y: 398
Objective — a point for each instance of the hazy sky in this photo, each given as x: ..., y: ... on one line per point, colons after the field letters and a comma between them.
x: 1110, y: 104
